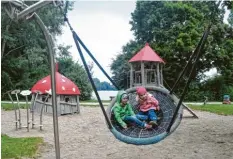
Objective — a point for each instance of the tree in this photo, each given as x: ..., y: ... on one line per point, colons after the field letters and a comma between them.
x: 90, y: 66
x: 97, y: 83
x: 103, y: 85
x: 173, y: 30
x: 63, y: 51
x: 76, y: 73
x: 120, y: 66
x: 228, y: 4
x: 24, y: 55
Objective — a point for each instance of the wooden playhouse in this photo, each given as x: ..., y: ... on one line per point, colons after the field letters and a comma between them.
x: 67, y: 94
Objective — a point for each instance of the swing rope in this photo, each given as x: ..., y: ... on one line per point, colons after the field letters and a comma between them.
x: 86, y: 49
x: 96, y: 62
x: 77, y: 41
x: 188, y: 63
x: 198, y: 55
x: 91, y: 80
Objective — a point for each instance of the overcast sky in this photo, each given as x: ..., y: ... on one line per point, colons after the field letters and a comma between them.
x: 104, y: 28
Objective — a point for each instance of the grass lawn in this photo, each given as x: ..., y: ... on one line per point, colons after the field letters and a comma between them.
x: 221, y: 109
x: 9, y: 106
x: 19, y: 147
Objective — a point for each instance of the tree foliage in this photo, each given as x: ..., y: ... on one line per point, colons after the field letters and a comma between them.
x: 173, y: 30
x: 25, y: 55
x: 76, y: 73
x: 103, y: 85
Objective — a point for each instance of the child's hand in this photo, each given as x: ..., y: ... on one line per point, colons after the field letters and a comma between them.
x: 158, y: 108
x: 140, y: 100
x: 124, y: 127
x: 149, y: 101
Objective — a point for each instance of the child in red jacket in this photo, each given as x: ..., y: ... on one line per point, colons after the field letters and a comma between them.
x: 147, y: 106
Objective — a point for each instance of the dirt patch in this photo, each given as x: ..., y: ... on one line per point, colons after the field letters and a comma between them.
x: 86, y: 136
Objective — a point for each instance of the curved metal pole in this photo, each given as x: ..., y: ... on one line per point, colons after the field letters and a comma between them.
x: 27, y: 113
x: 32, y: 109
x: 53, y: 82
x: 25, y: 93
x: 16, y: 119
x: 41, y: 111
x: 32, y: 8
x: 20, y: 124
x: 51, y: 52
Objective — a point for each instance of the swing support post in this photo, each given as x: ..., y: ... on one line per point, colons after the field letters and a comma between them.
x: 26, y: 11
x: 32, y: 8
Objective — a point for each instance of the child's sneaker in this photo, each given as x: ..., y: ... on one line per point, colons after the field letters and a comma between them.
x: 147, y: 126
x: 153, y: 123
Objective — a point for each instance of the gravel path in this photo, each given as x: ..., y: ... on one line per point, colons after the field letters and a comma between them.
x: 86, y: 136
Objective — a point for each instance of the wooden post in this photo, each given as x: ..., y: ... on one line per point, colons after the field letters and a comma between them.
x: 142, y: 73
x: 131, y: 75
x: 161, y: 74
x: 158, y: 75
x: 78, y: 105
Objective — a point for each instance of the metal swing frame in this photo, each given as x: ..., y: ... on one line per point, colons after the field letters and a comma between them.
x: 30, y: 11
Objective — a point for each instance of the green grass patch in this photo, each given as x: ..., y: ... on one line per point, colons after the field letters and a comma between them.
x: 10, y: 106
x: 19, y: 147
x: 221, y: 109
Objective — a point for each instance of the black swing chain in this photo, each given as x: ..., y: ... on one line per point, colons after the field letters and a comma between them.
x: 200, y: 47
x: 77, y: 40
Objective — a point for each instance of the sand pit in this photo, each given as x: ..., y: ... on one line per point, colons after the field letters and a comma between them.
x: 86, y: 136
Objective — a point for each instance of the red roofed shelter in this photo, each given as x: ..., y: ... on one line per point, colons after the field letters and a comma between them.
x: 67, y: 95
x: 146, y: 68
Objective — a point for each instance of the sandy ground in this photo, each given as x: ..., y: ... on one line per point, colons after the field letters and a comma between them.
x: 86, y: 136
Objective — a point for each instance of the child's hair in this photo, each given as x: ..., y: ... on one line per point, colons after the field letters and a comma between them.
x: 124, y: 96
x: 141, y: 90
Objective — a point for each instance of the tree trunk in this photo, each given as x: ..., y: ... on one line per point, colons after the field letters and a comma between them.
x: 4, y: 41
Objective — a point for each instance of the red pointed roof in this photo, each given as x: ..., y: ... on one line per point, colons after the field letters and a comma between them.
x: 146, y: 54
x: 63, y: 85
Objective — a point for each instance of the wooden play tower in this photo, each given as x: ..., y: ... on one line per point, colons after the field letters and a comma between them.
x: 146, y: 68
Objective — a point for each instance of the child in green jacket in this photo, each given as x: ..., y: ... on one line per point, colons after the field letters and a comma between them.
x: 123, y: 112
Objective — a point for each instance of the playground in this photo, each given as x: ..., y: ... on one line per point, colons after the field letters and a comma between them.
x: 147, y: 118
x: 86, y: 136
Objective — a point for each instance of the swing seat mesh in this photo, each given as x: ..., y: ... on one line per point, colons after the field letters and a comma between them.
x: 139, y: 136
